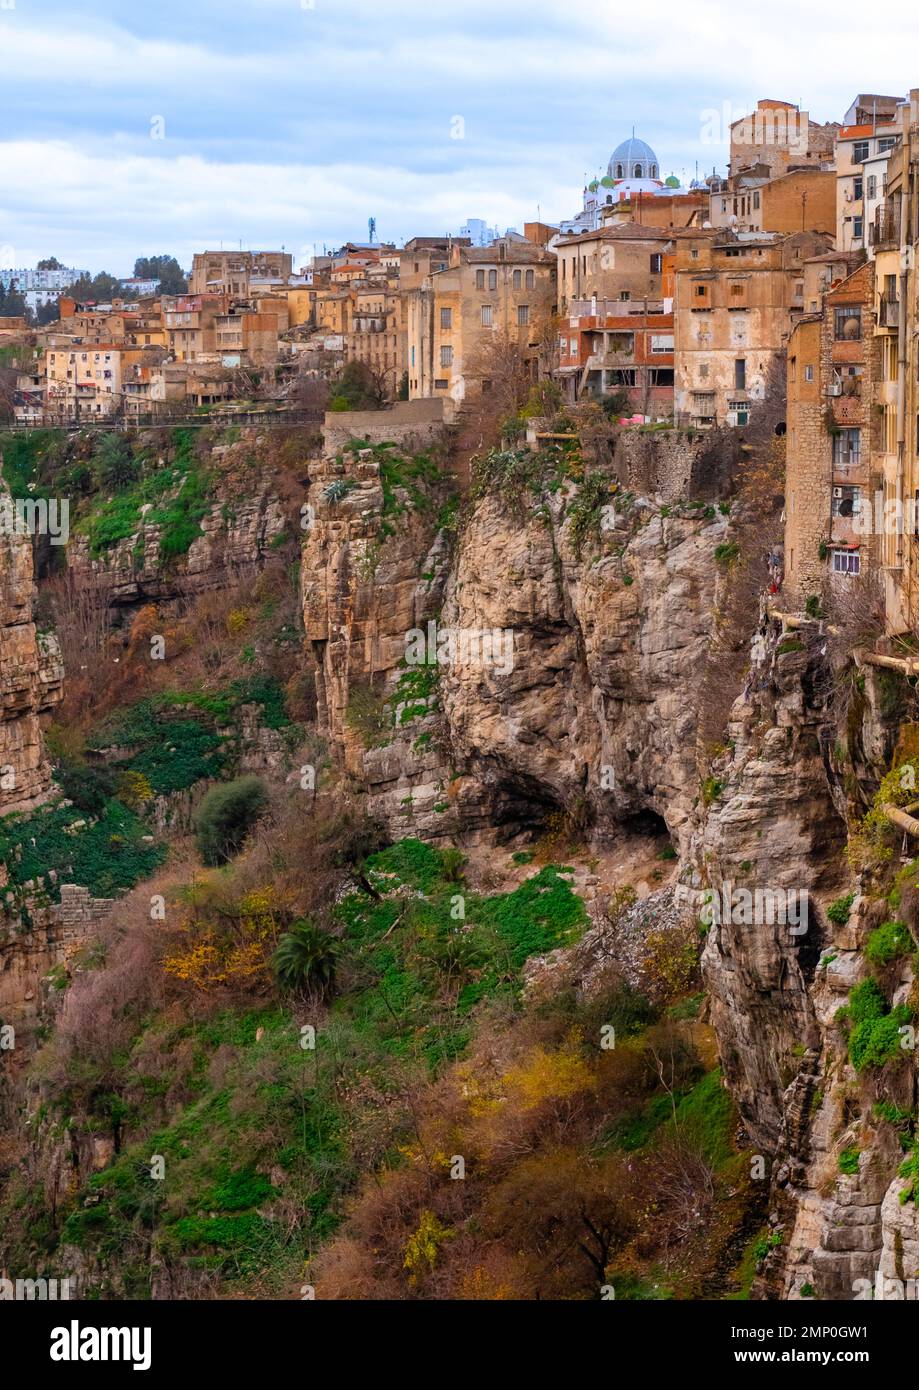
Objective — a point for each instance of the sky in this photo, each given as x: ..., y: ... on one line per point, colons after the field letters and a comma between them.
x: 180, y: 125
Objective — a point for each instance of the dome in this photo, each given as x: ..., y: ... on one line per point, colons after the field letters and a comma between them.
x: 672, y: 181
x: 633, y: 159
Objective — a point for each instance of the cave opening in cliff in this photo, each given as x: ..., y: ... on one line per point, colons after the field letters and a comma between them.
x: 524, y: 806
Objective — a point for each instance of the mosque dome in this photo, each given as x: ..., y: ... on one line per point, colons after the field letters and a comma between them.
x: 633, y: 159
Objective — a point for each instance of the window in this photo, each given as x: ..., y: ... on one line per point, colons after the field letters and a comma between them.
x: 660, y: 376
x: 619, y: 174
x: 701, y: 291
x: 530, y: 279
x: 756, y: 199
x: 860, y: 151
x: 847, y: 501
x: 847, y: 448
x: 517, y: 279
x: 492, y: 279
x: 657, y: 263
x: 857, y: 227
x: 858, y: 188
x: 486, y: 316
x: 694, y: 253
x: 523, y: 315
x: 446, y: 318
x: 872, y: 185
x: 440, y: 383
x: 845, y: 561
x: 886, y: 142
x: 446, y: 356
x: 809, y: 372
x: 662, y: 342
x: 480, y: 279
x: 740, y: 374
x: 847, y: 322
x: 624, y: 295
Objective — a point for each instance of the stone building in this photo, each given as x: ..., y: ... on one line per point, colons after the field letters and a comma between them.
x: 755, y: 201
x: 737, y: 297
x: 230, y: 272
x: 779, y: 136
x: 836, y: 438
x: 487, y: 295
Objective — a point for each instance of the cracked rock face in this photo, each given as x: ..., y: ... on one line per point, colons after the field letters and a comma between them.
x: 31, y: 678
x: 599, y: 714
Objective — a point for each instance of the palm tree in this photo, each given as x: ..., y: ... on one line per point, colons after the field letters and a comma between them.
x: 305, y: 959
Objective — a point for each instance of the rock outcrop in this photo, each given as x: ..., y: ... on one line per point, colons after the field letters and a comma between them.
x: 31, y: 678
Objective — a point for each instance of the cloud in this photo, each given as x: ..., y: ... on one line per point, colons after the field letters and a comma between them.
x: 294, y: 124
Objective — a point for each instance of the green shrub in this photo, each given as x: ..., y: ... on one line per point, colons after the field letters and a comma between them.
x: 889, y: 940
x: 726, y: 553
x: 848, y: 1160
x: 226, y: 815
x: 838, y: 911
x: 305, y: 959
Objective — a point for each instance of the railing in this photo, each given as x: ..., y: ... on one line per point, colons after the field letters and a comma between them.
x: 884, y: 231
x: 281, y: 418
x: 889, y: 315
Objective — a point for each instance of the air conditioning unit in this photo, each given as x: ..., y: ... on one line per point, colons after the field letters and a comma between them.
x: 834, y: 388
x: 837, y: 491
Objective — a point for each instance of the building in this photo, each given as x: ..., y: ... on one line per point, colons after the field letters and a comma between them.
x: 375, y: 335
x: 799, y: 200
x: 862, y: 153
x: 485, y: 296
x: 191, y: 324
x: 230, y: 272
x: 737, y: 297
x: 609, y: 346
x: 838, y: 434
x: 778, y: 136
x: 633, y: 169
x: 616, y: 263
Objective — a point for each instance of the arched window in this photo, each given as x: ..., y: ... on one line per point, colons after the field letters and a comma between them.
x: 636, y: 172
x: 618, y: 171
x: 654, y: 171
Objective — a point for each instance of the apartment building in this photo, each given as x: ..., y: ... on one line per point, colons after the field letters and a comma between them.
x: 85, y: 380
x: 801, y: 200
x: 838, y: 429
x: 624, y: 263
x: 607, y: 347
x: 779, y: 136
x: 191, y: 324
x: 486, y: 295
x: 862, y: 154
x: 230, y: 272
x: 375, y: 335
x: 737, y: 297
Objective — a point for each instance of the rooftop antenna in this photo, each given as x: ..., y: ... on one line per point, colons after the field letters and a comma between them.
x: 372, y: 229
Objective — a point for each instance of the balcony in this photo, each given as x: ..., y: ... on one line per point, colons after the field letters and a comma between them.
x: 889, y: 312
x: 884, y: 231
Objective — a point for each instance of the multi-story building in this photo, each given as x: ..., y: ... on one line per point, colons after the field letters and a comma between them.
x: 375, y: 335
x: 801, y: 200
x: 608, y: 347
x: 862, y: 153
x: 85, y: 380
x: 503, y: 293
x: 230, y: 272
x: 779, y: 136
x: 623, y: 263
x: 838, y: 428
x: 737, y: 297
x: 191, y: 324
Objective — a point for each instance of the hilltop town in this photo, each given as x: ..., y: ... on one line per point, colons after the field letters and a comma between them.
x: 459, y: 749
x: 672, y: 305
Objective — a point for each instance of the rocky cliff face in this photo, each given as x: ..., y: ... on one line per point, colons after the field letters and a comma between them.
x: 30, y: 680
x: 599, y: 719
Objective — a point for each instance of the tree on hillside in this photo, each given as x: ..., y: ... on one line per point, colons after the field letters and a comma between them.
x: 100, y: 288
x: 358, y: 387
x: 12, y: 304
x: 166, y: 269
